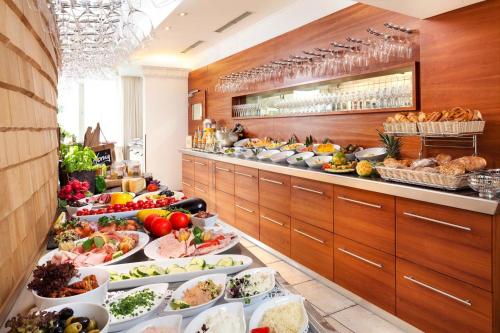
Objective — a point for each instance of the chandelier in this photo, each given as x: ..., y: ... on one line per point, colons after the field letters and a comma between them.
x: 96, y: 35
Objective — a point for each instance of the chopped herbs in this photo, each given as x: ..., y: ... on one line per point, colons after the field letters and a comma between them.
x: 134, y: 304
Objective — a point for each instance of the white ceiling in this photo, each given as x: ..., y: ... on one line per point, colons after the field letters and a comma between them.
x: 421, y: 9
x: 269, y: 18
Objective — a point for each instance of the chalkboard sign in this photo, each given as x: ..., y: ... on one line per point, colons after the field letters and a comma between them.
x: 105, y: 153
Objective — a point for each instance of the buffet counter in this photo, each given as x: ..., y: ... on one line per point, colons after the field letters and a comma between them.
x: 465, y: 199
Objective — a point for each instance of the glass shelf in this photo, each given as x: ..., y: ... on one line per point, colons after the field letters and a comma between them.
x: 389, y: 90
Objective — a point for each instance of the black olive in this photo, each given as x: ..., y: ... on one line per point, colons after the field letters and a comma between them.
x: 82, y: 320
x: 65, y: 313
x: 58, y: 329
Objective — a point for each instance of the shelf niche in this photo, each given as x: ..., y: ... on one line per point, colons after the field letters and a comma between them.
x: 393, y: 89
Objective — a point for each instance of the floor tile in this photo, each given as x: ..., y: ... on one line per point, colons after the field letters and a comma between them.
x: 324, y: 298
x: 360, y: 320
x: 246, y: 243
x: 337, y: 326
x: 291, y: 274
x: 263, y: 255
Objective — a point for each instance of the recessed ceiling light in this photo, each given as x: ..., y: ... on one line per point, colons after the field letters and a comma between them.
x: 183, y: 14
x: 167, y: 28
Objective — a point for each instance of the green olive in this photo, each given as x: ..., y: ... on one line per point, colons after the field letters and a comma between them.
x: 92, y: 325
x: 68, y: 321
x: 73, y: 328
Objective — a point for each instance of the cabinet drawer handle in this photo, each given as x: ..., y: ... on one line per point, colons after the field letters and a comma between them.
x: 360, y: 202
x: 428, y: 219
x: 360, y: 258
x: 309, y: 236
x: 271, y: 181
x: 199, y: 189
x: 245, y: 209
x: 271, y: 220
x: 308, y: 189
x: 186, y: 160
x: 453, y: 297
x: 243, y: 174
x: 186, y: 184
x: 222, y: 169
x: 200, y: 163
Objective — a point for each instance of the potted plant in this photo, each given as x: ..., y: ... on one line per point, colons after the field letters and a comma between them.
x: 78, y: 163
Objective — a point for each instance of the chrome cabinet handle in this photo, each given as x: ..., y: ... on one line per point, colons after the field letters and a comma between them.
x: 453, y: 297
x: 200, y: 163
x: 245, y: 209
x: 222, y: 169
x: 186, y: 184
x: 271, y: 181
x: 309, y: 236
x: 186, y: 160
x: 271, y: 220
x: 308, y: 189
x: 360, y: 258
x: 359, y: 202
x: 243, y: 174
x: 428, y: 219
x: 199, y: 189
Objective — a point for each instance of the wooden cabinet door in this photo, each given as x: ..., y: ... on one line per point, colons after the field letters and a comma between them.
x: 246, y: 215
x: 366, y: 272
x: 188, y: 187
x: 224, y: 177
x: 275, y: 230
x: 312, y: 202
x: 201, y: 191
x: 274, y: 191
x: 187, y: 167
x: 312, y: 247
x: 434, y: 302
x: 366, y: 217
x: 224, y: 204
x: 451, y: 241
x: 246, y: 183
x: 201, y: 171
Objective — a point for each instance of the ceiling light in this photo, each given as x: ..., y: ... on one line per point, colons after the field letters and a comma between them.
x: 183, y: 14
x: 167, y: 28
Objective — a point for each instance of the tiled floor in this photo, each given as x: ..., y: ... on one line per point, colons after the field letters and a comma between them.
x: 341, y: 313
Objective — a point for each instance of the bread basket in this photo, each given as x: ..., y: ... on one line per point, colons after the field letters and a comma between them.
x: 401, y: 128
x: 451, y: 127
x: 430, y: 179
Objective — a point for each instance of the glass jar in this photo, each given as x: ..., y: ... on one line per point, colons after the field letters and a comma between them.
x: 134, y: 168
x: 117, y: 170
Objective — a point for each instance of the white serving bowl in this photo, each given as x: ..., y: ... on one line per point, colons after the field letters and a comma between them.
x: 219, y: 279
x: 208, y: 222
x: 116, y: 324
x: 318, y: 161
x: 277, y: 301
x: 255, y: 298
x: 266, y: 154
x: 96, y: 296
x: 234, y: 309
x: 92, y: 311
x: 173, y: 321
x: 241, y: 143
x: 371, y: 154
x: 281, y: 157
x: 248, y: 153
x: 336, y: 147
x: 300, y: 158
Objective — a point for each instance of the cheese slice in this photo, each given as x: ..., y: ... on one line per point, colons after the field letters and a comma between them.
x: 136, y: 185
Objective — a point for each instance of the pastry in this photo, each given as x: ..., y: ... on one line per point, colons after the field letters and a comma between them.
x: 393, y: 163
x: 434, y: 116
x: 400, y: 117
x: 390, y: 120
x: 471, y: 163
x: 421, y: 116
x: 459, y: 114
x: 446, y: 115
x: 425, y: 162
x: 452, y: 168
x: 442, y: 159
x: 477, y: 115
x: 406, y: 162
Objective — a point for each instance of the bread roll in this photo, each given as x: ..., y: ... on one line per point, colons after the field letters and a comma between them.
x: 452, y: 168
x: 393, y: 163
x: 471, y: 163
x: 442, y: 159
x: 421, y: 117
x: 477, y: 115
x: 425, y: 162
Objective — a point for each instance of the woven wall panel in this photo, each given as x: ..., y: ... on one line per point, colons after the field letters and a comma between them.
x: 28, y: 141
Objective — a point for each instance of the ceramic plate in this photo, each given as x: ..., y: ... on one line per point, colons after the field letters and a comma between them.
x: 177, y: 195
x: 274, y: 302
x: 232, y: 309
x: 177, y: 276
x: 143, y: 240
x: 339, y: 170
x: 173, y: 322
x: 219, y: 279
x: 255, y: 298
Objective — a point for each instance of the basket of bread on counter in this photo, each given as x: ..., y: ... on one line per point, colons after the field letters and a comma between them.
x: 440, y: 171
x: 455, y: 121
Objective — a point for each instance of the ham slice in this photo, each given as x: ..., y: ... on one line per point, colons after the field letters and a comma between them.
x: 169, y: 247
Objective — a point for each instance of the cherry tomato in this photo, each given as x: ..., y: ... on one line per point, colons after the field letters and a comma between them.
x: 111, y: 210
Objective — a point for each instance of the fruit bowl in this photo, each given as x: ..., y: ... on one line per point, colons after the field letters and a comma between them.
x: 372, y: 154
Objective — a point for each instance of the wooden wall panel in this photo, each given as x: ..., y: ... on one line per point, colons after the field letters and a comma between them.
x: 28, y: 141
x: 459, y: 55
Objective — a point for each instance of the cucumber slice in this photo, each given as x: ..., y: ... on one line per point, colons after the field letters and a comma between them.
x: 193, y: 268
x: 208, y: 266
x: 225, y: 262
x: 178, y: 304
x: 198, y: 262
x: 156, y: 270
x: 117, y: 254
x: 125, y: 277
x: 143, y: 271
x: 238, y: 263
x: 175, y: 269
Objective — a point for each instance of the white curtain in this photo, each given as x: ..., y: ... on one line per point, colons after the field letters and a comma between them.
x: 132, y: 110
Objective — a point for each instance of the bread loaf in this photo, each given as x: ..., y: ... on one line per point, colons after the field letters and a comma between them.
x: 471, y: 163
